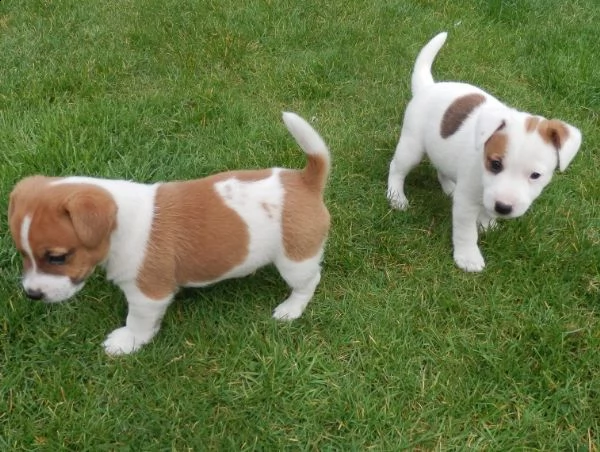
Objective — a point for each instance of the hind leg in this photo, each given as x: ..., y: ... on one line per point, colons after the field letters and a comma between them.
x: 409, y: 153
x: 303, y: 278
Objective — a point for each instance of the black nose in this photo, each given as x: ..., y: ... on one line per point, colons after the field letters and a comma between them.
x: 503, y: 209
x: 34, y: 294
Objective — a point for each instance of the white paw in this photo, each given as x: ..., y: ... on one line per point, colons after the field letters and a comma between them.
x: 397, y: 200
x: 288, y: 311
x: 469, y: 261
x: 123, y: 341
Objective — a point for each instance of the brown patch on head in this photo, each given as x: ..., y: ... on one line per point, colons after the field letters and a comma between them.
x: 531, y: 123
x: 195, y: 236
x: 70, y: 220
x: 458, y: 112
x: 554, y: 132
x: 305, y: 219
x: 495, y: 149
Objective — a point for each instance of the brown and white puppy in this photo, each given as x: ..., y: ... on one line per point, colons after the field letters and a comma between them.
x: 153, y: 239
x: 493, y: 160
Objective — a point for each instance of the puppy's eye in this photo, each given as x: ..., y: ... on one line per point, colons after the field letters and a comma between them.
x: 56, y: 259
x: 535, y: 175
x: 496, y: 166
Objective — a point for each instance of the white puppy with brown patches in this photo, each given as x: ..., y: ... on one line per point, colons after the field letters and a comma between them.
x: 152, y: 239
x: 492, y: 159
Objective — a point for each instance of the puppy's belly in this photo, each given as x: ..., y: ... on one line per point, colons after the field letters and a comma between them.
x: 248, y: 267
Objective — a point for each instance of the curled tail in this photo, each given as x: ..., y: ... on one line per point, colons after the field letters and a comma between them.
x: 421, y: 76
x: 317, y: 169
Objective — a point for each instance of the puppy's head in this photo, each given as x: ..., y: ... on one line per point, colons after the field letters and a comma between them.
x: 520, y: 154
x: 62, y: 231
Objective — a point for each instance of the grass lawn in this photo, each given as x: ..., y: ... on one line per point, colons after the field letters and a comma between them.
x: 399, y: 348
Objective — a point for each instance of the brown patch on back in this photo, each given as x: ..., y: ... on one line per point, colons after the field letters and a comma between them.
x: 554, y: 132
x: 495, y: 148
x: 531, y: 123
x: 458, y: 112
x: 305, y: 219
x: 73, y: 219
x: 195, y: 236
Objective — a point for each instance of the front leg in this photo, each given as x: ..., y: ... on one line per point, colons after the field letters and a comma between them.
x: 464, y: 234
x: 143, y: 322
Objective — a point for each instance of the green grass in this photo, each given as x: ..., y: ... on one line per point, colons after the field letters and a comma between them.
x: 399, y: 348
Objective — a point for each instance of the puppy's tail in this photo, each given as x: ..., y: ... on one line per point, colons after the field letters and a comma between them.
x: 316, y: 170
x: 421, y: 76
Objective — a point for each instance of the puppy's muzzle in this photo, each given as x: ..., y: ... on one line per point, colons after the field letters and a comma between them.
x: 503, y: 209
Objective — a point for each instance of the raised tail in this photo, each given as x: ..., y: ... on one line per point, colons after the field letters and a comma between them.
x: 421, y: 76
x: 316, y: 170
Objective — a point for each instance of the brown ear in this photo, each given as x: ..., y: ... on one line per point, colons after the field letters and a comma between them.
x: 93, y: 213
x: 565, y: 138
x: 554, y: 132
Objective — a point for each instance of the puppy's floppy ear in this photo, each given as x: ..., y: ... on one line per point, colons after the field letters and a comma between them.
x: 490, y: 121
x: 93, y: 213
x: 565, y: 138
